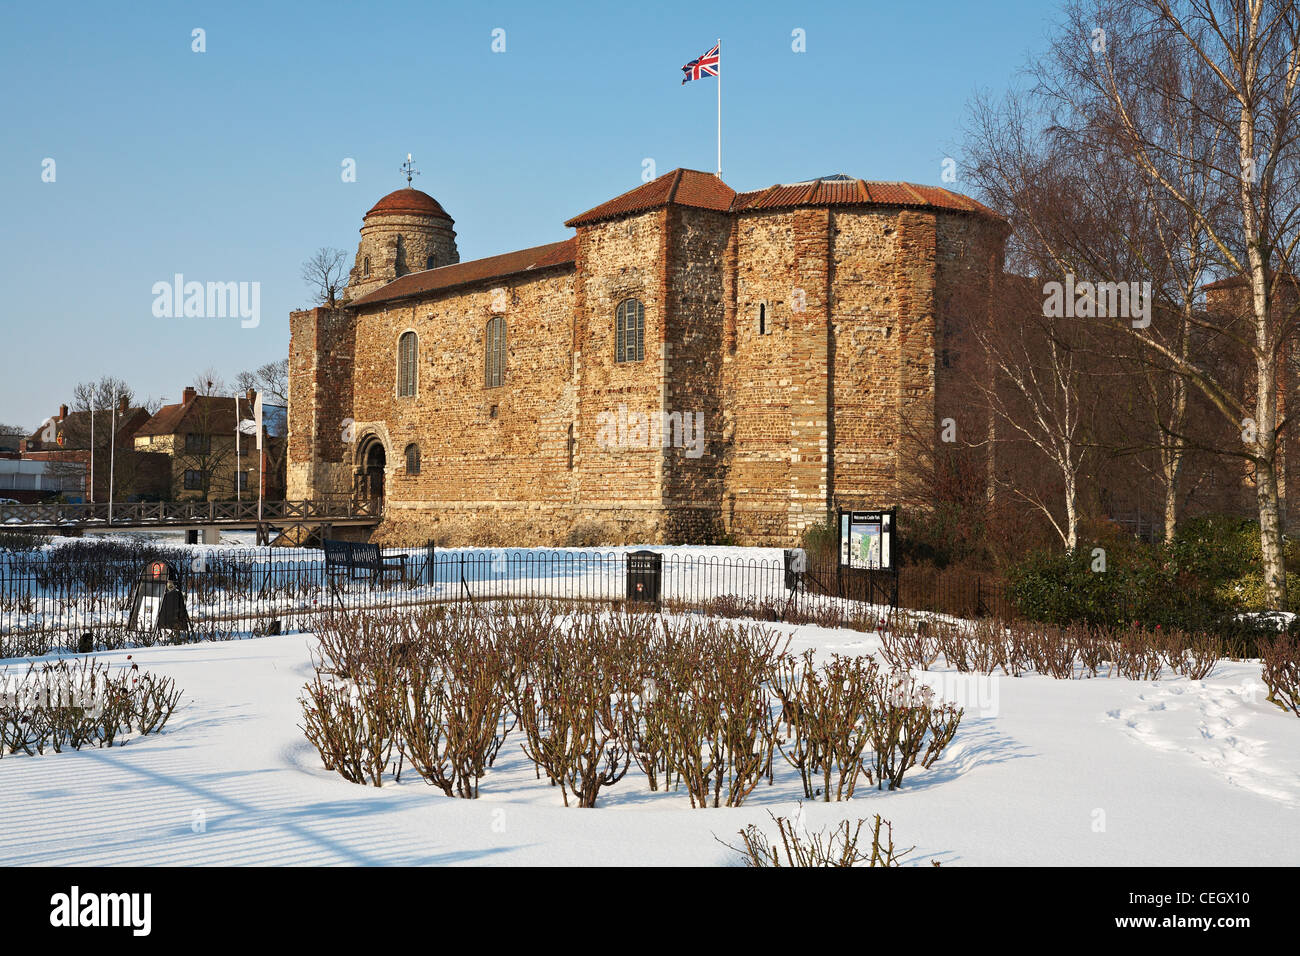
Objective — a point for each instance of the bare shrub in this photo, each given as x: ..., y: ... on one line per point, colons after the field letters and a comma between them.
x: 988, y: 646
x: 1193, y: 656
x: 909, y: 642
x: 824, y: 711
x: 1137, y: 653
x: 566, y: 712
x: 836, y: 847
x: 1048, y: 650
x: 906, y: 727
x: 80, y: 702
x: 956, y: 648
x: 719, y: 707
x: 1280, y: 660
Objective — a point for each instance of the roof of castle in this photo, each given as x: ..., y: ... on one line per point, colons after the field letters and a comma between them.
x: 408, y: 202
x: 537, y: 258
x: 841, y: 190
x: 681, y: 187
x: 699, y: 190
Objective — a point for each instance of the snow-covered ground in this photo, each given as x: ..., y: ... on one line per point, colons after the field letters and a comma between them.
x: 1091, y: 772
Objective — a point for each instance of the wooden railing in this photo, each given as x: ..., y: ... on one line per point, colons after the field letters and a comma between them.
x: 135, y: 513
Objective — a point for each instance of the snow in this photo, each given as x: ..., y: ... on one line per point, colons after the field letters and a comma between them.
x: 1106, y: 772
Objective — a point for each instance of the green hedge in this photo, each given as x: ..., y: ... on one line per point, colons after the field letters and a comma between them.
x: 1209, y: 575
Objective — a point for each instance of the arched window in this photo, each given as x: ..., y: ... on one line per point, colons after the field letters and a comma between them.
x: 412, y: 459
x: 407, y: 347
x: 365, y: 266
x: 763, y: 327
x: 629, y: 331
x: 494, y: 352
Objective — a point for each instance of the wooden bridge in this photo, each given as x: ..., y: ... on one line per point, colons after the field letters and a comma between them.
x: 292, y: 520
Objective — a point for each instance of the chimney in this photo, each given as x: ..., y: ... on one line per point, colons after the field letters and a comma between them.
x: 63, y: 412
x: 188, y: 395
x: 122, y: 405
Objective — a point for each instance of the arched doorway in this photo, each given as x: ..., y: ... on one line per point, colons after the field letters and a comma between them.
x: 370, y: 474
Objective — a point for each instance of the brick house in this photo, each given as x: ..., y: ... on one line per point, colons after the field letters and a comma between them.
x: 205, y: 461
x: 66, y: 439
x: 691, y: 364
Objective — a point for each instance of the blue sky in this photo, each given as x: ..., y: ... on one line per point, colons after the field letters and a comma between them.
x: 225, y: 165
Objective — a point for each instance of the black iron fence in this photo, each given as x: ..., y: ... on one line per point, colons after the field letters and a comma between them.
x: 48, y: 602
x: 54, y: 514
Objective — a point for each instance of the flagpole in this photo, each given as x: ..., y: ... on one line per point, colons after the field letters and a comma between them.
x: 112, y: 456
x: 719, y: 107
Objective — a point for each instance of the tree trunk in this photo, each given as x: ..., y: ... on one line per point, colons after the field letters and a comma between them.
x: 1270, y: 536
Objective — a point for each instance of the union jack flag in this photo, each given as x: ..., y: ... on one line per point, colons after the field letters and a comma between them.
x: 706, y: 65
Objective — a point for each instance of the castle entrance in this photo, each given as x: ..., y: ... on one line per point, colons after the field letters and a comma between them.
x: 370, y: 477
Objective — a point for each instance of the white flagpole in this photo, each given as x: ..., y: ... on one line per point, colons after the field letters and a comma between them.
x: 719, y: 107
x: 112, y: 457
x: 238, y: 497
x: 92, y: 453
x: 261, y: 456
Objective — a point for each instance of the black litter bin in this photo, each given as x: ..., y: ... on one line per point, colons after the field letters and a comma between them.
x: 796, y: 563
x: 644, y: 574
x: 157, y: 601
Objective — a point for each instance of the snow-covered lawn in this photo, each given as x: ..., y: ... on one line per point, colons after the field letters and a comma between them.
x: 1093, y: 772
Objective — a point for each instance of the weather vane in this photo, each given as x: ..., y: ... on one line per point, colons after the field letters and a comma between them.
x: 409, y: 169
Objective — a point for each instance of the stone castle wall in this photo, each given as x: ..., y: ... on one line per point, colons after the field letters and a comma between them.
x: 321, y: 371
x: 423, y: 239
x: 799, y: 417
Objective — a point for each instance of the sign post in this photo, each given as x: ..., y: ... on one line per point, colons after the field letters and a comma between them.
x: 867, y: 545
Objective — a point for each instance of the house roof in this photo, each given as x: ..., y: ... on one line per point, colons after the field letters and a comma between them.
x: 408, y: 202
x: 1238, y: 281
x: 689, y: 187
x: 553, y: 255
x: 210, y: 414
x: 75, y: 429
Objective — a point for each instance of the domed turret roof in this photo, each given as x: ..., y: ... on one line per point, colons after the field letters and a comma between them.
x: 408, y: 202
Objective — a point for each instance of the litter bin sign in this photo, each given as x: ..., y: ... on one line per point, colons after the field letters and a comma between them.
x: 644, y: 573
x: 157, y: 602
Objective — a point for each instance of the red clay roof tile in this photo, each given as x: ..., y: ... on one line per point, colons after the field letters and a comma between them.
x: 688, y: 187
x: 211, y: 414
x: 683, y: 187
x: 408, y: 202
x: 550, y: 256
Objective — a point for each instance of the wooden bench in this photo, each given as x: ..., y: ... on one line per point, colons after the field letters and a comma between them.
x: 358, y: 560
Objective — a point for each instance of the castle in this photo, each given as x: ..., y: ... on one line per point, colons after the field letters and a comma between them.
x: 692, y: 364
